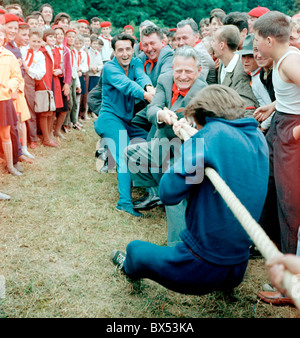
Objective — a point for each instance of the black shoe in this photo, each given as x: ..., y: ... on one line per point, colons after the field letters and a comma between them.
x: 118, y: 258
x: 149, y: 203
x: 254, y: 253
x: 142, y: 199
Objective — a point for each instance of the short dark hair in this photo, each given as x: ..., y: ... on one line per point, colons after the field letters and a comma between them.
x: 274, y: 24
x: 204, y: 22
x: 95, y: 19
x: 238, y: 19
x: 38, y: 14
x: 47, y: 32
x: 122, y: 37
x: 62, y: 15
x: 30, y: 17
x: 95, y: 38
x: 231, y: 35
x: 218, y: 14
x: 150, y: 30
x: 46, y: 5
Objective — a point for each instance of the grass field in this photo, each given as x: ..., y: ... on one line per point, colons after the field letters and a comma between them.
x: 56, y: 235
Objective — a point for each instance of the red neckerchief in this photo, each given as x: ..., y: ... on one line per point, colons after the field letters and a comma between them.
x: 29, y: 57
x: 73, y: 53
x: 152, y: 63
x: 88, y: 59
x: 249, y: 73
x: 141, y: 47
x: 109, y: 39
x: 79, y: 58
x: 176, y: 93
x: 198, y: 41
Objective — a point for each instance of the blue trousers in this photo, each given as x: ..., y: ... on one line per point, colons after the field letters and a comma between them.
x: 178, y: 269
x: 117, y: 134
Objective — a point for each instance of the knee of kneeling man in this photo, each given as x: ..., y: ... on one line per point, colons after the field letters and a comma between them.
x: 132, y: 247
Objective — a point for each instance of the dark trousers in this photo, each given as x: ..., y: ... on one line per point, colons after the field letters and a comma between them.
x: 178, y: 269
x: 281, y: 214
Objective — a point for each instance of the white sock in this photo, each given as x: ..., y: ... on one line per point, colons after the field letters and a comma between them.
x: 26, y: 153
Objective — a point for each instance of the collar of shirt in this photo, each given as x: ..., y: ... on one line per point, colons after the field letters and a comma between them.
x: 232, y: 64
x: 255, y: 72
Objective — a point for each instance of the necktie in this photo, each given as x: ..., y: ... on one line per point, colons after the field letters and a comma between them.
x: 177, y: 92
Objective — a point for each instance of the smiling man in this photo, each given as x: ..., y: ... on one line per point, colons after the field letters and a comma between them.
x: 157, y: 59
x: 187, y: 33
x: 123, y: 81
x: 174, y: 91
x: 47, y: 13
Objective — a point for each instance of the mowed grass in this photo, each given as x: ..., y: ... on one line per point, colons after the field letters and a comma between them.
x: 56, y: 235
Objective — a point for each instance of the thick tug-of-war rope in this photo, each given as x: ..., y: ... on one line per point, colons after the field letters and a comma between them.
x: 263, y: 243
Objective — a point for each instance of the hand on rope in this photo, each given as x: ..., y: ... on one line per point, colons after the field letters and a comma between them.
x: 183, y: 129
x: 290, y: 282
x: 167, y: 116
x: 278, y: 265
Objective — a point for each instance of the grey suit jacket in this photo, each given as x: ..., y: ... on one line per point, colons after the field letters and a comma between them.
x: 239, y: 80
x: 162, y: 99
x: 163, y: 64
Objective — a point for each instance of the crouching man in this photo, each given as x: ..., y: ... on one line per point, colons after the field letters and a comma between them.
x: 214, y: 251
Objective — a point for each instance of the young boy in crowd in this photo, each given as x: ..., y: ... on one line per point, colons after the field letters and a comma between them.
x: 75, y: 83
x: 35, y: 66
x: 281, y: 212
x: 95, y: 23
x: 106, y: 38
x: 253, y: 70
x: 83, y: 68
x: 32, y: 21
x: 96, y: 63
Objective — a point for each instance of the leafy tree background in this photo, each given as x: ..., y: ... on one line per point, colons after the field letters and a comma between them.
x: 165, y: 13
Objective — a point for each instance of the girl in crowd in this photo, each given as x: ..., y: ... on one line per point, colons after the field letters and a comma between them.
x: 47, y: 83
x: 65, y: 78
x: 10, y: 81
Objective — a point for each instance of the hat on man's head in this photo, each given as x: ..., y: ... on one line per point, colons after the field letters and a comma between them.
x: 105, y: 24
x: 247, y: 48
x: 258, y: 11
x: 83, y: 21
x: 9, y: 17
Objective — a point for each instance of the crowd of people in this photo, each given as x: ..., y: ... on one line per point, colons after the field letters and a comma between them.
x: 230, y: 84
